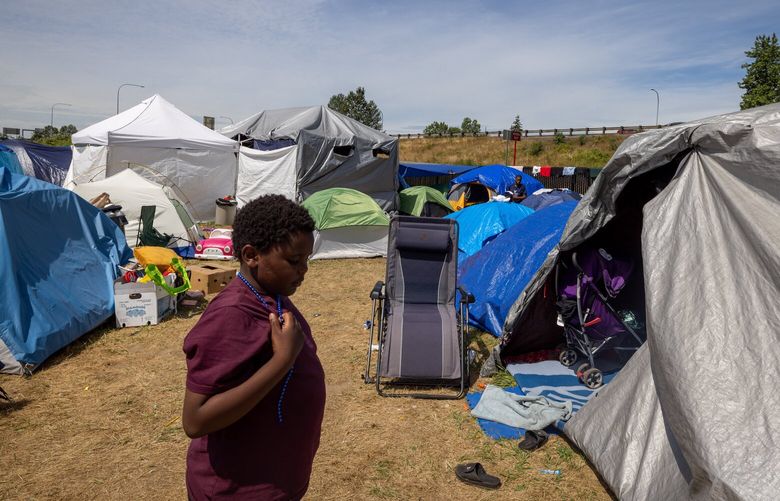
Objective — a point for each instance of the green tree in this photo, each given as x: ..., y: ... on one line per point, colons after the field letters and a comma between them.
x: 762, y: 76
x: 54, y: 136
x: 470, y: 126
x: 435, y: 128
x: 354, y: 105
x: 517, y: 125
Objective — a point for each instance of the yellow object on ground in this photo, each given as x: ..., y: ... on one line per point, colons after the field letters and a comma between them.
x: 158, y: 256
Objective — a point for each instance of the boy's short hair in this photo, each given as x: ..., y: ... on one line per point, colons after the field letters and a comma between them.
x: 267, y: 221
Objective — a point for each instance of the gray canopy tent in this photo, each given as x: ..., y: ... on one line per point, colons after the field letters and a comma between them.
x: 300, y: 151
x: 694, y: 413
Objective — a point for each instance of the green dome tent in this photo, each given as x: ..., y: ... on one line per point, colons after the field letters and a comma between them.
x: 348, y: 224
x: 424, y: 201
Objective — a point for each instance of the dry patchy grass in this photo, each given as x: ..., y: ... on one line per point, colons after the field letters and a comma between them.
x: 592, y: 151
x: 101, y: 419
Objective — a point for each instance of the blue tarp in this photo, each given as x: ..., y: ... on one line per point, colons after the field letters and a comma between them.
x: 549, y: 198
x: 498, y: 178
x: 59, y: 261
x: 49, y: 163
x: 478, y: 224
x: 9, y: 161
x: 409, y: 169
x: 498, y: 273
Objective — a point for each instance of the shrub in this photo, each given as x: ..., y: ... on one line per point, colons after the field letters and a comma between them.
x: 536, y: 148
x: 591, y: 158
x: 559, y: 138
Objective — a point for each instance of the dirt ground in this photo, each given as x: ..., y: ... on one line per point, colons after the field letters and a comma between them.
x: 101, y: 419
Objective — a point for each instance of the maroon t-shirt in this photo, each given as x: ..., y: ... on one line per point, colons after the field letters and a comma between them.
x: 257, y: 457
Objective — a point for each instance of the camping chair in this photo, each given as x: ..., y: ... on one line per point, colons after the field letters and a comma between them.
x: 421, y: 334
x: 147, y: 233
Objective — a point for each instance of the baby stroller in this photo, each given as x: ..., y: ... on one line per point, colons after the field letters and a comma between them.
x: 585, y: 289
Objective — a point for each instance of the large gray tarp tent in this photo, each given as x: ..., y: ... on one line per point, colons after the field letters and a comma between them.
x: 695, y: 414
x: 325, y: 149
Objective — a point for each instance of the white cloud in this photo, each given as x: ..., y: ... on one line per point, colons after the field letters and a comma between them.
x: 558, y: 64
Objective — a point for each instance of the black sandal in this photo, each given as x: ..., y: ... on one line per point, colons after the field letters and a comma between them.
x: 533, y: 440
x: 475, y: 474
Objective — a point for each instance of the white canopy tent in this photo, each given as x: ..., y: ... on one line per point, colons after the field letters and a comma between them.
x: 156, y: 134
x: 132, y: 191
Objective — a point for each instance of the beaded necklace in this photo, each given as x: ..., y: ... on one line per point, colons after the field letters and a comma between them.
x: 281, y: 322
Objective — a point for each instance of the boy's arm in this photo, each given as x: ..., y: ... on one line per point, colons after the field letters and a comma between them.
x: 204, y: 414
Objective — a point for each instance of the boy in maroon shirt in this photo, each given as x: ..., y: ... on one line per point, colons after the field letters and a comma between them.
x: 255, y: 388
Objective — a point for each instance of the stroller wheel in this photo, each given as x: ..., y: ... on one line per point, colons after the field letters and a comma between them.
x: 592, y: 378
x: 568, y: 357
x: 581, y: 370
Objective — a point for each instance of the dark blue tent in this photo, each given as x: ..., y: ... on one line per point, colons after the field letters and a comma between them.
x: 498, y: 178
x: 497, y: 274
x: 47, y: 163
x: 59, y: 261
x: 408, y: 170
x: 551, y: 197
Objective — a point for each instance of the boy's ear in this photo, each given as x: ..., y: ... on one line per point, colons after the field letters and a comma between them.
x: 250, y: 256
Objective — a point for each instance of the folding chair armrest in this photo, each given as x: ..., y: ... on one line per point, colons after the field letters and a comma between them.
x: 466, y: 297
x: 376, y: 292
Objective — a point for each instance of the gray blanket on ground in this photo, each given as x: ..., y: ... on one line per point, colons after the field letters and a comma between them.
x: 519, y: 411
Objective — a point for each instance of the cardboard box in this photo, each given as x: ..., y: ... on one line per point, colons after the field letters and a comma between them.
x: 138, y: 303
x: 210, y: 278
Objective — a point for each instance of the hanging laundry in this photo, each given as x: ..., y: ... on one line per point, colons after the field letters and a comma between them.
x: 545, y: 171
x: 568, y: 171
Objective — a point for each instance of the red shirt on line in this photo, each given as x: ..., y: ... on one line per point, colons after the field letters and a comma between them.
x: 257, y: 457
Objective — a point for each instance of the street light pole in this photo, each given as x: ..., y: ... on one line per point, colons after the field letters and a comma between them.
x: 120, y: 88
x: 227, y: 118
x: 52, y: 111
x: 657, y: 105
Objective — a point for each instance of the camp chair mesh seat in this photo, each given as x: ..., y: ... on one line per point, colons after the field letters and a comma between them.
x: 147, y: 233
x: 421, y: 333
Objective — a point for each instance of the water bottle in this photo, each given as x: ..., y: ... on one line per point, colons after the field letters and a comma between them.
x: 550, y: 472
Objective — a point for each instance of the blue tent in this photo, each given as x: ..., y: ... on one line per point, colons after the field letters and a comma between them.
x: 498, y: 178
x: 478, y: 224
x: 9, y: 161
x: 408, y: 170
x: 497, y: 274
x: 59, y: 261
x: 47, y: 163
x: 551, y: 197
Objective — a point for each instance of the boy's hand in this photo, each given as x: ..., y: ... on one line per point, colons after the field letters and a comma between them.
x: 286, y: 341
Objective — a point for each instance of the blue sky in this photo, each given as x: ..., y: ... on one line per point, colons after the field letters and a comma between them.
x: 555, y: 63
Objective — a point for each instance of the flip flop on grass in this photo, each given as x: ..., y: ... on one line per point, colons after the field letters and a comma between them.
x: 475, y: 474
x: 533, y: 440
